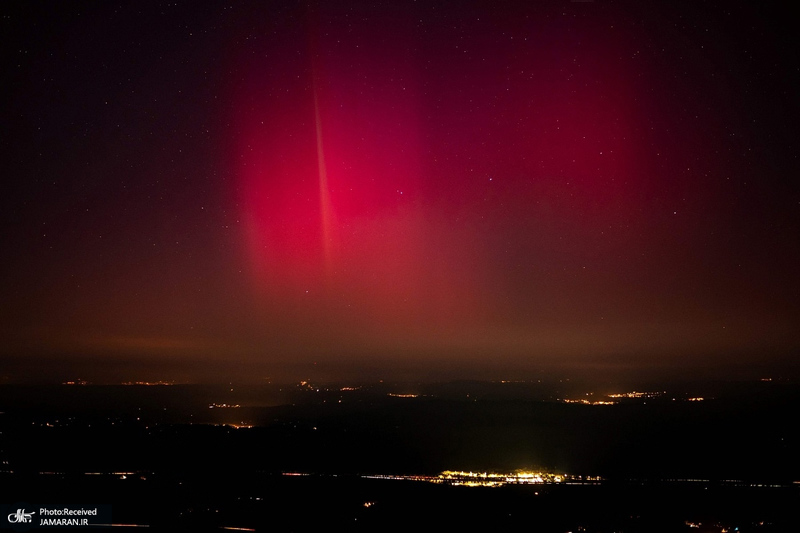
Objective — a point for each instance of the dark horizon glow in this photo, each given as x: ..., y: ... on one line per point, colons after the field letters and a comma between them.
x: 431, y: 190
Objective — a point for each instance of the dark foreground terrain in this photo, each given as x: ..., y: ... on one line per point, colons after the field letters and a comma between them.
x: 688, y: 457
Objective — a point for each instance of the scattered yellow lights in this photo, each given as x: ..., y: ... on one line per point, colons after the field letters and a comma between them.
x: 403, y: 395
x: 393, y: 477
x: 349, y: 388
x: 637, y: 394
x: 368, y: 504
x: 223, y: 406
x: 588, y: 402
x: 698, y: 399
x: 76, y: 382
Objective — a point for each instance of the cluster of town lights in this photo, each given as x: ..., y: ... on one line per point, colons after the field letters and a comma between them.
x: 489, y: 479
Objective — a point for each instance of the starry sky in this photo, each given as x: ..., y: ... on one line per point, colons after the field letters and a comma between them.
x: 198, y: 191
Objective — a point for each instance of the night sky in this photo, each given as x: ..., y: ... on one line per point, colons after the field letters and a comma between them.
x: 399, y: 190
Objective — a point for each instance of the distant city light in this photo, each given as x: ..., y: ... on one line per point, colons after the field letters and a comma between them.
x: 636, y: 394
x: 149, y: 383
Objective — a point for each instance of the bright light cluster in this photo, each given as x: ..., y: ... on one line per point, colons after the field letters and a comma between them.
x: 489, y: 479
